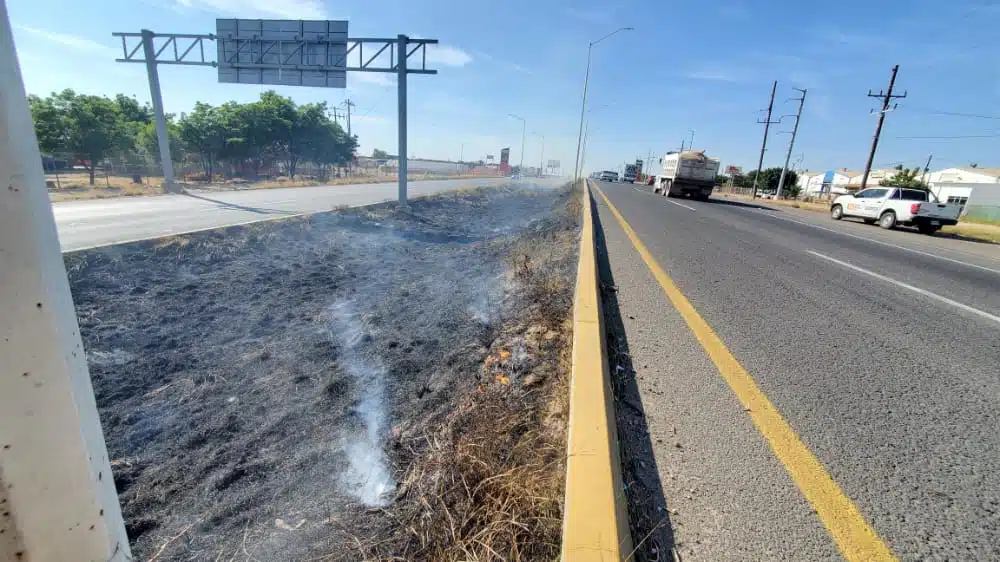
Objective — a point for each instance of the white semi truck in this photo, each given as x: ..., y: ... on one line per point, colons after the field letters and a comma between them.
x: 688, y: 172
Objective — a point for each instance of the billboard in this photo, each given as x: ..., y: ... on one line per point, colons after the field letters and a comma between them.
x: 553, y: 163
x: 734, y: 170
x: 505, y: 156
x: 282, y: 52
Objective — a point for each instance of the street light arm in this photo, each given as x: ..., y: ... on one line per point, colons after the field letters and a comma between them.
x: 592, y: 43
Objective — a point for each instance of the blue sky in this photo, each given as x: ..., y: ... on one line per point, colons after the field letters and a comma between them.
x: 705, y: 66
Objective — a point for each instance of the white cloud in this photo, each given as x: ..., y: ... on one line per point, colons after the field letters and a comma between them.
x: 447, y: 56
x: 718, y: 76
x: 287, y: 9
x: 72, y: 41
x: 503, y: 63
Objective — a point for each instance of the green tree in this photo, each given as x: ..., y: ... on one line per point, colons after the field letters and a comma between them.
x: 88, y: 127
x: 769, y: 181
x: 149, y: 146
x: 204, y: 133
x: 905, y: 178
x: 380, y: 154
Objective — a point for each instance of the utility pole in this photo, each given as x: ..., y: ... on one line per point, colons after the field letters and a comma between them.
x: 886, y: 98
x: 927, y: 168
x: 791, y: 143
x: 349, y: 104
x: 763, y: 144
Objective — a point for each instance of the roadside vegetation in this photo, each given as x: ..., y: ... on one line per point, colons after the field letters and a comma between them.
x: 232, y: 140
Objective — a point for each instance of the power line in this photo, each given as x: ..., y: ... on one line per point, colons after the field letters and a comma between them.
x: 886, y: 98
x: 954, y: 137
x: 952, y: 113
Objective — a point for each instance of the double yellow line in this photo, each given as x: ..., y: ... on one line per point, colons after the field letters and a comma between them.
x: 855, y: 538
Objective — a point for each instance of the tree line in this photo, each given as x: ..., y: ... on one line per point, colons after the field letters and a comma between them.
x: 232, y: 138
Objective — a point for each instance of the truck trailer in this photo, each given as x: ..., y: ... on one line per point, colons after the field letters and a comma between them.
x: 688, y: 172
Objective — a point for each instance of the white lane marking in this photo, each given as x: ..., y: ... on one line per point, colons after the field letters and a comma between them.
x: 681, y: 204
x: 896, y: 246
x: 918, y: 290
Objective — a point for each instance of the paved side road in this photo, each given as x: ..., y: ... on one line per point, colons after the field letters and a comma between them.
x: 881, y: 354
x: 84, y: 224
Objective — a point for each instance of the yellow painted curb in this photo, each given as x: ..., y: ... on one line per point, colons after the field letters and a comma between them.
x: 595, y: 516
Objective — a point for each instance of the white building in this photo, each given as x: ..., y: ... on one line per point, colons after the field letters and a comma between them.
x: 976, y: 188
x: 832, y: 181
x: 874, y: 177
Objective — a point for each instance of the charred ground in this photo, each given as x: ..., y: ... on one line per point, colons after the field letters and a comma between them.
x: 244, y: 376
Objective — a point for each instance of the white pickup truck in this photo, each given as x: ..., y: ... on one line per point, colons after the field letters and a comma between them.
x: 889, y: 206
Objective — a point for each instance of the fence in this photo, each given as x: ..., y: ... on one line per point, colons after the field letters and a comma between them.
x: 64, y: 173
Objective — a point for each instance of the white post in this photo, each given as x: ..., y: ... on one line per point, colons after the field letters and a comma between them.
x: 162, y: 137
x: 401, y: 41
x: 57, y: 493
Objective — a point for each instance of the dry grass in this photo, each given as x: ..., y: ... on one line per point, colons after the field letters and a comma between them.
x: 487, y: 484
x: 974, y: 230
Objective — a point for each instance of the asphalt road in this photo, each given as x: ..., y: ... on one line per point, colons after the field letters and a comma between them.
x: 880, y: 349
x: 84, y: 224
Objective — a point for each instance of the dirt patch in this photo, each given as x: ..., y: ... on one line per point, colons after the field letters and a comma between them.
x: 278, y: 391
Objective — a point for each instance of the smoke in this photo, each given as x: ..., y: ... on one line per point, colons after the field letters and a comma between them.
x: 367, y: 476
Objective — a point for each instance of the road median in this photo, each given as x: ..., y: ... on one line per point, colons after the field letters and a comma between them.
x: 595, y: 520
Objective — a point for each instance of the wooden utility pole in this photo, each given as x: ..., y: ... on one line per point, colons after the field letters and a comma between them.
x: 349, y: 104
x: 791, y: 143
x: 886, y: 98
x: 763, y: 145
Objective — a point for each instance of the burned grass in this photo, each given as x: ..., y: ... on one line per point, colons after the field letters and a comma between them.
x: 359, y: 384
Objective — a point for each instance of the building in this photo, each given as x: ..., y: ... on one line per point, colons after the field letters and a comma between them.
x: 832, y: 181
x: 978, y: 189
x: 874, y: 177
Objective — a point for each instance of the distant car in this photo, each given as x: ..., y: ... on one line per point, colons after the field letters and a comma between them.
x: 891, y: 206
x: 609, y: 176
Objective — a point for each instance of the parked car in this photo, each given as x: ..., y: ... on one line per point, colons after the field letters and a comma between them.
x: 891, y: 206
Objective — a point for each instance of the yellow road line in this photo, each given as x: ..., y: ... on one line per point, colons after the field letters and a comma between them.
x: 855, y: 538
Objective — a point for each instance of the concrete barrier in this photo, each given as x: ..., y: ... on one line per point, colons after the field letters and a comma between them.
x: 595, y: 516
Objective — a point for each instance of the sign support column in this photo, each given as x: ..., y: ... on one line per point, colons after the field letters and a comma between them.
x: 162, y: 138
x: 401, y: 41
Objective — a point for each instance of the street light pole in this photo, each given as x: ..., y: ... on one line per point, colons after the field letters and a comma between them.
x: 691, y: 144
x: 583, y: 107
x: 524, y: 124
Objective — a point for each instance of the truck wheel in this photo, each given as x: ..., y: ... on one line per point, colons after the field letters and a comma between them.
x: 837, y: 212
x: 887, y: 220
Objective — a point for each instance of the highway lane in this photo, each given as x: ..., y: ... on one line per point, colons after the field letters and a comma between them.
x: 84, y: 224
x: 884, y: 361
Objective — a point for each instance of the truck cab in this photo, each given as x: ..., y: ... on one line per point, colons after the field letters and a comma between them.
x: 891, y: 206
x: 607, y: 175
